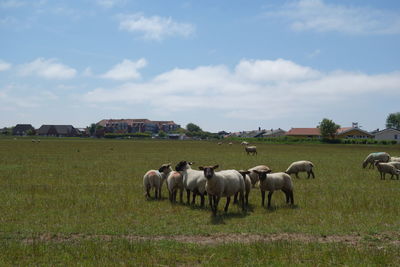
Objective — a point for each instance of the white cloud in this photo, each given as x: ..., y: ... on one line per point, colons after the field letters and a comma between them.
x: 155, y: 27
x: 47, y: 68
x: 254, y: 89
x: 316, y: 15
x: 4, y: 65
x: 126, y: 70
x: 12, y: 4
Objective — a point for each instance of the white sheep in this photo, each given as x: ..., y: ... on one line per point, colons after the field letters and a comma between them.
x: 254, y: 176
x: 155, y: 179
x: 247, y: 186
x: 175, y: 183
x: 193, y: 181
x: 384, y: 168
x: 275, y: 181
x: 230, y: 143
x: 395, y: 164
x: 251, y: 150
x: 219, y: 143
x: 244, y: 143
x: 223, y: 184
x: 394, y: 159
x: 301, y: 166
x: 380, y: 156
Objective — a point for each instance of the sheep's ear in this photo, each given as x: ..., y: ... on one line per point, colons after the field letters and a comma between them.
x: 161, y: 169
x: 215, y: 166
x: 269, y: 171
x: 201, y: 168
x: 191, y: 163
x: 246, y: 172
x: 257, y: 172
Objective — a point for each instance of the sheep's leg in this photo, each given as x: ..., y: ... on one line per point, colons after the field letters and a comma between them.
x: 228, y: 200
x: 262, y: 197
x: 242, y: 200
x: 210, y: 201
x: 181, y: 195
x: 235, y: 198
x: 269, y: 198
x: 216, y: 201
x: 291, y: 197
x: 159, y: 193
x: 202, y: 200
x: 247, y: 199
x: 188, y: 196
x: 155, y: 193
x: 312, y: 173
x: 297, y: 174
x: 194, y: 198
x: 287, y: 196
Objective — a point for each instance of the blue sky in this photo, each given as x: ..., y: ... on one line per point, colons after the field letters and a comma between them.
x: 224, y: 65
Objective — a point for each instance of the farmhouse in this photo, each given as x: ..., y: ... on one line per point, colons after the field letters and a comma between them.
x: 274, y: 133
x: 58, y: 130
x: 304, y: 133
x: 23, y: 129
x: 387, y: 134
x: 137, y: 126
x: 353, y: 133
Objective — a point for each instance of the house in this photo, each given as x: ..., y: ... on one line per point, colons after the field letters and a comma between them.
x: 274, y: 133
x: 58, y: 130
x: 23, y: 129
x: 388, y: 134
x: 137, y: 126
x: 304, y: 133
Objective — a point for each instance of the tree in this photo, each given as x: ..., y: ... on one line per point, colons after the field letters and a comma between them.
x: 328, y: 128
x: 393, y: 121
x: 191, y: 127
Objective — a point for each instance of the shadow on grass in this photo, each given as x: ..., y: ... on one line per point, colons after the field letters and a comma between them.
x: 274, y: 208
x: 221, y: 216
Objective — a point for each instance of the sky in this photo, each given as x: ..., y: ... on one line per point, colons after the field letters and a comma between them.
x: 223, y: 65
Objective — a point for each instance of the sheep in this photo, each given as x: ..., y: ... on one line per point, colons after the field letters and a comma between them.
x: 251, y: 150
x: 247, y: 186
x: 244, y: 143
x: 154, y: 178
x: 301, y: 166
x: 230, y: 143
x: 275, y: 181
x: 394, y: 159
x: 384, y: 168
x: 193, y: 181
x: 219, y: 143
x: 175, y: 183
x: 380, y: 156
x: 395, y: 164
x: 254, y: 176
x: 223, y: 184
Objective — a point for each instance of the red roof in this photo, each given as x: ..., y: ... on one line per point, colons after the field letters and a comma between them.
x: 304, y: 131
x: 344, y: 129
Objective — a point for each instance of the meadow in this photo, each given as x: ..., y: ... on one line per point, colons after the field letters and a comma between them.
x: 81, y: 201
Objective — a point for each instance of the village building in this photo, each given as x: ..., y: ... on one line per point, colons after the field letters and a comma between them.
x: 137, y: 126
x: 388, y: 134
x: 58, y: 131
x: 304, y: 133
x: 23, y: 129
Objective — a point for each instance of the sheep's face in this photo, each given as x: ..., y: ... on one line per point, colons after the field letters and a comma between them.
x: 208, y: 171
x: 364, y: 164
x: 262, y: 175
x: 181, y: 166
x: 165, y: 168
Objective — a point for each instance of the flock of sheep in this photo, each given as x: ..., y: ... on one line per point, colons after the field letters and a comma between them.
x: 224, y: 183
x: 384, y: 164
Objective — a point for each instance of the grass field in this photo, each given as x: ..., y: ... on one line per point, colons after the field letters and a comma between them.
x: 71, y: 201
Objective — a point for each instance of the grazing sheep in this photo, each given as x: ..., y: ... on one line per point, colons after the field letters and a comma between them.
x: 395, y: 164
x: 175, y: 183
x: 219, y: 143
x: 394, y: 159
x: 380, y: 156
x: 247, y: 186
x: 254, y: 176
x: 275, y: 181
x: 301, y: 166
x: 251, y: 150
x: 384, y: 168
x: 230, y: 143
x: 154, y: 178
x: 223, y: 184
x: 193, y: 181
x: 244, y: 143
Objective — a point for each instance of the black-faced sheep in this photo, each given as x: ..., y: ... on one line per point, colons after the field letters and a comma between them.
x: 380, y: 156
x: 301, y: 166
x: 275, y: 181
x: 254, y: 176
x: 384, y: 168
x: 223, y: 184
x: 193, y: 181
x: 155, y: 179
x: 251, y: 150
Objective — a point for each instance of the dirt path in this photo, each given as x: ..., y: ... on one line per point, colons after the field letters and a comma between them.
x: 392, y: 238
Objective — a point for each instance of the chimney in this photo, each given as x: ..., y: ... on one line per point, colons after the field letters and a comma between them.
x: 355, y: 124
x: 259, y: 128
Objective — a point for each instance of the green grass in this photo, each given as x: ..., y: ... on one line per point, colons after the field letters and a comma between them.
x: 90, y: 186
